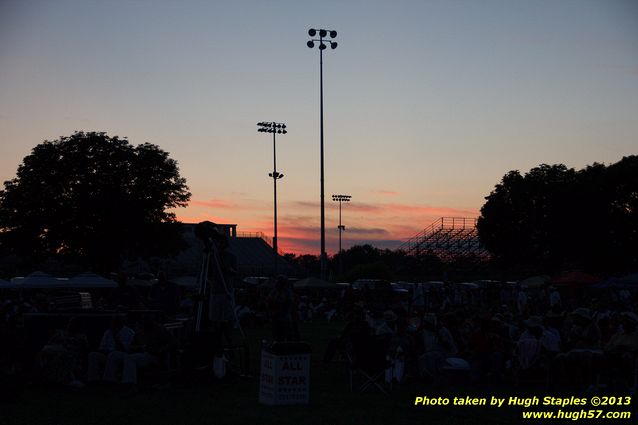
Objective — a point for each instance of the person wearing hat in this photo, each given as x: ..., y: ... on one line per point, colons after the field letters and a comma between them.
x: 584, y: 333
x: 437, y: 345
x: 551, y: 335
x: 554, y: 298
x: 582, y: 362
x: 385, y: 326
x: 529, y: 347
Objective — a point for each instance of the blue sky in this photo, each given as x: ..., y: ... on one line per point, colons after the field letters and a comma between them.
x: 427, y: 103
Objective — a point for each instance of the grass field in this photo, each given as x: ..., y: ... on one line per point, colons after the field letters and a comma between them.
x: 235, y: 400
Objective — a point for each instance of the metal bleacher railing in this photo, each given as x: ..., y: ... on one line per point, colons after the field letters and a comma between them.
x: 448, y: 238
x: 258, y: 235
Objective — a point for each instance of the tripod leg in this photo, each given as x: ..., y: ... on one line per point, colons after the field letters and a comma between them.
x: 203, y: 281
x: 230, y: 296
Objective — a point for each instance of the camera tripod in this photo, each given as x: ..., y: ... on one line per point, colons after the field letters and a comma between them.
x: 211, y: 250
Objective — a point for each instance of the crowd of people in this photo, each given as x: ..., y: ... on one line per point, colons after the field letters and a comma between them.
x: 496, y: 335
x: 128, y: 342
x: 437, y: 334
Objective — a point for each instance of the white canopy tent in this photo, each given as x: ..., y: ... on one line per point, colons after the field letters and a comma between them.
x: 314, y: 283
x: 38, y: 280
x: 534, y: 282
x: 4, y: 284
x: 90, y: 281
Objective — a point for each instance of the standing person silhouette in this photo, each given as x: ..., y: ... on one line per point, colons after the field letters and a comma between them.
x: 280, y: 303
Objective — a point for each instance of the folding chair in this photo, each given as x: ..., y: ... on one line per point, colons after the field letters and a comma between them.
x: 239, y: 357
x: 173, y: 358
x: 369, y: 359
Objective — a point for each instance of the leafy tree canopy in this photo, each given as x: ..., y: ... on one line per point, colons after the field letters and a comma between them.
x: 92, y: 199
x: 555, y: 217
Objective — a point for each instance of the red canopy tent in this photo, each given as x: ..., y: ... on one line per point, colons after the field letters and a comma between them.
x: 575, y: 278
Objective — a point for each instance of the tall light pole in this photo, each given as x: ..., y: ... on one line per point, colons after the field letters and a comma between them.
x: 341, y: 227
x: 274, y: 128
x: 323, y: 39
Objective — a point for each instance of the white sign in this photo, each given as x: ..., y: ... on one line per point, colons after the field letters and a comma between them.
x: 284, y: 379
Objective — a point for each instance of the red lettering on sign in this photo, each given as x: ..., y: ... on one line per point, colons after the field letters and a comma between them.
x: 292, y: 380
x: 291, y: 366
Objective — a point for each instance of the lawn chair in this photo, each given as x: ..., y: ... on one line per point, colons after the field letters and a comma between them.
x: 456, y: 371
x: 368, y: 358
x: 169, y: 364
x: 239, y: 359
x: 172, y: 361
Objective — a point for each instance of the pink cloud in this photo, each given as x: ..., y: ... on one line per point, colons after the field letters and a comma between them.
x: 386, y: 208
x: 198, y: 218
x: 386, y: 192
x: 383, y: 224
x: 212, y: 203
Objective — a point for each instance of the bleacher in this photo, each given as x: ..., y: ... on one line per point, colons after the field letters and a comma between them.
x: 450, y: 239
x: 256, y: 257
x: 253, y: 251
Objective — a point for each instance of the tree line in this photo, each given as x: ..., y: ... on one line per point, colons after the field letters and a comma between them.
x: 556, y: 218
x: 93, y: 200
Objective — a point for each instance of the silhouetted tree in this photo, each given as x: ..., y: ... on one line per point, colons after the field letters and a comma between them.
x: 306, y: 264
x: 361, y: 254
x: 94, y: 199
x: 522, y: 217
x: 609, y: 224
x: 367, y: 261
x: 555, y: 217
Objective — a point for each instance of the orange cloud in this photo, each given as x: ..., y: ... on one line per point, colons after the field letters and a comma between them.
x: 198, y: 218
x: 212, y: 203
x: 420, y: 210
x: 385, y: 208
x: 383, y: 224
x: 386, y: 192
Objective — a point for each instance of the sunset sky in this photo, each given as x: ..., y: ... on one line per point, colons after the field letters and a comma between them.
x: 427, y: 103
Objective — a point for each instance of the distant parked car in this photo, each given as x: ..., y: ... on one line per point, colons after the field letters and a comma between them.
x: 255, y: 280
x: 376, y: 285
x: 402, y: 286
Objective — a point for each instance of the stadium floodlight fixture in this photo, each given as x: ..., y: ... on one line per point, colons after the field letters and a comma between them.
x: 341, y: 198
x: 325, y: 36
